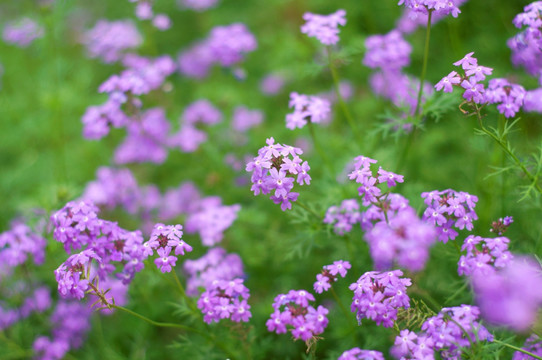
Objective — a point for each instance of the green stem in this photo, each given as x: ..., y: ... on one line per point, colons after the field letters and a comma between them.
x: 319, y: 149
x: 340, y: 99
x: 456, y: 293
x: 343, y: 309
x: 177, y: 326
x: 183, y: 293
x: 532, y: 178
x: 425, y: 58
x: 517, y: 349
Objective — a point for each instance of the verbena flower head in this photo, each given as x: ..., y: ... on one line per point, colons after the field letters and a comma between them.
x: 483, y: 255
x: 378, y: 296
x: 211, y: 220
x: 272, y: 84
x: 359, y: 354
x: 34, y: 300
x: 447, y: 333
x: 387, y: 52
x: 307, y: 108
x: 108, y: 40
x: 509, y: 97
x: 533, y: 344
x: 17, y: 245
x: 413, y: 18
x: 526, y: 45
x: 324, y: 27
x: 276, y: 168
x: 329, y: 275
x: 22, y: 32
x: 449, y: 209
x: 441, y: 7
x: 343, y: 217
x: 512, y: 296
x: 225, y: 299
x: 245, y: 119
x: 215, y: 265
x: 500, y: 226
x: 164, y: 239
x: 293, y: 313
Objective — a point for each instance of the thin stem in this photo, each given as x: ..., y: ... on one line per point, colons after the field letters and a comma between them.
x: 343, y: 309
x: 517, y: 349
x: 456, y: 293
x: 508, y: 151
x: 183, y: 293
x: 340, y: 99
x: 319, y: 148
x: 424, y: 66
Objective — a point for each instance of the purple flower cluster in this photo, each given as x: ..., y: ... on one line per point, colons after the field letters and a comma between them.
x: 164, y: 239
x: 211, y: 220
x: 508, y: 96
x: 363, y: 175
x: 189, y: 137
x: 225, y: 299
x: 441, y: 7
x: 244, y: 118
x: 22, y: 32
x: 225, y: 45
x: 293, y: 310
x: 500, y: 226
x: 378, y: 296
x: 77, y: 226
x: 400, y: 237
x: 447, y: 209
x: 343, y: 217
x: 324, y: 27
x: 144, y: 11
x: 390, y: 53
x: 36, y: 301
x: 483, y: 255
x: 215, y: 265
x: 359, y: 354
x: 197, y: 5
x: 447, y: 333
x: 533, y: 344
x: 108, y: 40
x: 526, y: 45
x: 17, y: 244
x: 71, y: 321
x: 274, y: 169
x: 412, y: 18
x: 307, y: 109
x: 512, y: 296
x: 330, y: 274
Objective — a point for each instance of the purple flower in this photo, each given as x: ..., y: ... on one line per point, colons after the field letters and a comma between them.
x: 108, y: 40
x: 343, y: 217
x: 533, y: 345
x: 358, y: 354
x: 512, y: 296
x: 211, y: 219
x: 448, y: 81
x: 164, y: 262
x: 225, y: 299
x: 244, y: 118
x: 377, y: 296
x: 307, y: 109
x: 22, y: 32
x: 324, y: 27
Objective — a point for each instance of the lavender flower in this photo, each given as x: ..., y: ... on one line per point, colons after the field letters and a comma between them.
x: 22, y: 32
x: 197, y: 5
x: 272, y: 84
x: 225, y: 300
x: 324, y: 27
x: 483, y: 255
x: 108, y: 40
x: 293, y: 310
x: 18, y: 244
x: 412, y: 18
x: 274, y: 169
x: 343, y: 217
x: 512, y: 296
x: 306, y: 109
x: 448, y: 209
x: 329, y: 275
x: 388, y: 52
x: 500, y: 226
x: 215, y: 265
x: 378, y: 296
x: 358, y: 354
x: 441, y: 7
